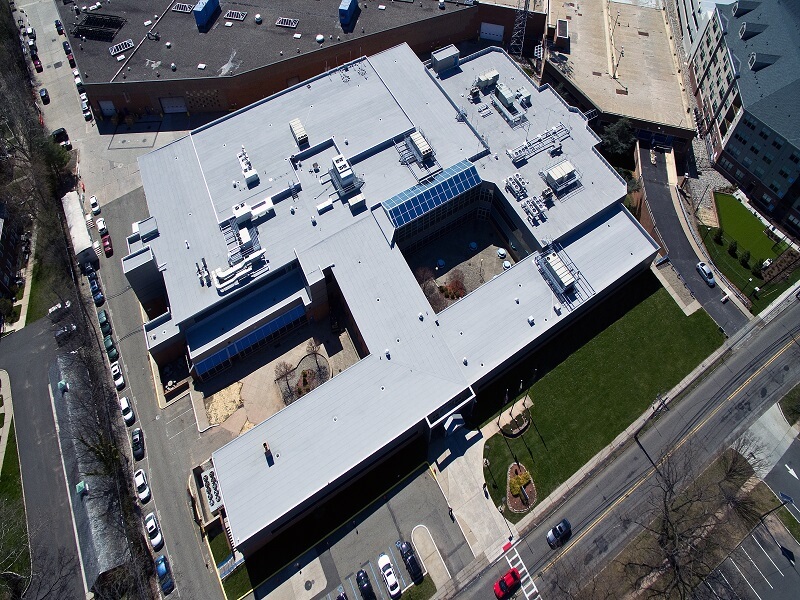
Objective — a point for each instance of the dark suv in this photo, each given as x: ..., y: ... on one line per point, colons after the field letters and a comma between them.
x: 364, y: 585
x: 410, y: 559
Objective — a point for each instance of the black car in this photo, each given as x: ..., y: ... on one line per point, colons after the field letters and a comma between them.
x: 44, y: 96
x: 559, y: 534
x: 64, y: 333
x: 59, y: 28
x: 60, y: 136
x: 364, y: 586
x: 67, y: 48
x: 137, y: 443
x: 410, y: 559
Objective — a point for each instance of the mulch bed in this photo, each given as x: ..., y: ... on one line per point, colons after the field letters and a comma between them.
x: 515, y: 503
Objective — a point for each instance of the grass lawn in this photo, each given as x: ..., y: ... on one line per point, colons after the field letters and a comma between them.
x: 582, y: 404
x: 220, y: 549
x: 739, y: 224
x: 41, y: 297
x: 237, y: 584
x: 11, y: 494
x: 426, y: 589
x: 790, y: 405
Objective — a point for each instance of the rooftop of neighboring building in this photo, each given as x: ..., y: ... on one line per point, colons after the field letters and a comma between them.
x: 224, y: 50
x: 771, y: 91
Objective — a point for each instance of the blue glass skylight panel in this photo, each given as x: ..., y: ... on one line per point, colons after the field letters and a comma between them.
x: 420, y: 199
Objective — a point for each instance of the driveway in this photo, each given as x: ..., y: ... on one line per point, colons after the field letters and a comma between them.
x: 681, y: 253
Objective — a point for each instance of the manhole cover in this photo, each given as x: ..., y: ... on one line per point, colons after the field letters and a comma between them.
x: 309, y: 583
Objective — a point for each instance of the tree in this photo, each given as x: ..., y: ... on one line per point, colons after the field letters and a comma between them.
x: 744, y: 259
x: 718, y: 235
x: 282, y: 372
x: 619, y: 138
x: 733, y: 248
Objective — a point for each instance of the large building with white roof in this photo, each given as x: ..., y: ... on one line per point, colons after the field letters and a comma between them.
x: 260, y: 218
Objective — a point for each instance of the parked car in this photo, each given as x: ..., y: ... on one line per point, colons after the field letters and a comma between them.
x: 137, y: 443
x: 127, y: 411
x: 79, y: 85
x: 706, y: 274
x: 58, y: 311
x: 342, y: 596
x: 71, y: 59
x: 411, y: 561
x: 59, y: 28
x: 44, y: 96
x: 31, y: 33
x: 153, y: 531
x: 60, y: 137
x: 67, y: 47
x: 108, y: 247
x: 507, y: 584
x: 116, y: 373
x: 164, y: 575
x: 99, y: 299
x: 105, y: 322
x: 37, y: 64
x: 87, y: 112
x: 142, y: 489
x: 389, y: 578
x: 364, y: 585
x: 111, y: 349
x: 101, y: 226
x: 64, y: 333
x: 559, y: 534
x: 94, y: 285
x: 94, y: 204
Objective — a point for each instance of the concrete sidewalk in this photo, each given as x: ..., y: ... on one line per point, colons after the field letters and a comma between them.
x: 774, y: 434
x: 26, y: 294
x: 429, y: 555
x: 7, y: 410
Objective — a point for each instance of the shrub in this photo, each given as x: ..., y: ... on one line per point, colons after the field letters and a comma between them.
x: 757, y: 266
x: 733, y: 248
x: 457, y: 289
x: 745, y: 258
x: 6, y: 307
x: 518, y: 482
x: 718, y: 235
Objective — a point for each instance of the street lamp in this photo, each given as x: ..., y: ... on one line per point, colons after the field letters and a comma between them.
x: 749, y: 281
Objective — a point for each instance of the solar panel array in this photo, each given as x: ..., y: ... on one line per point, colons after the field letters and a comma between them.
x: 182, y: 8
x: 287, y: 22
x: 235, y: 15
x: 121, y: 47
x: 420, y: 199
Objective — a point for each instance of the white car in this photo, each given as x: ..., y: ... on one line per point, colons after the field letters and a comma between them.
x: 101, y: 226
x: 93, y: 202
x: 76, y: 72
x: 127, y: 410
x: 116, y: 373
x: 87, y: 112
x: 389, y: 578
x: 706, y: 274
x: 153, y: 531
x: 140, y: 483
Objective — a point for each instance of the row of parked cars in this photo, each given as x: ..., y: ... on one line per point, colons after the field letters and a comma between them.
x: 388, y: 575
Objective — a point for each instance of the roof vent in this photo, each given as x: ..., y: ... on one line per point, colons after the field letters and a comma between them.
x: 250, y: 174
x: 759, y: 60
x: 299, y: 132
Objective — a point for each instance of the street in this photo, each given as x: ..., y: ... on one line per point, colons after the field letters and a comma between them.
x: 762, y: 367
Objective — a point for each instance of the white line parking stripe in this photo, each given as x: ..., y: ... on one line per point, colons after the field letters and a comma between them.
x: 745, y: 578
x: 768, y: 556
x: 397, y: 572
x: 757, y: 569
x: 728, y: 583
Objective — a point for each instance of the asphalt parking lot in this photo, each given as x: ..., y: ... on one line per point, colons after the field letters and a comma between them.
x: 332, y: 564
x: 759, y: 568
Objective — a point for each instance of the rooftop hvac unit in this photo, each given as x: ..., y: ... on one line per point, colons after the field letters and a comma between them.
x: 524, y: 96
x: 342, y: 171
x: 242, y: 213
x: 504, y: 94
x: 299, y: 132
x: 561, y: 274
x: 249, y: 173
x: 488, y: 78
x: 560, y: 175
x: 421, y: 146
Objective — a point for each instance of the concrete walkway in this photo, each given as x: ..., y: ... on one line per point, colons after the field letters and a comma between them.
x: 430, y: 556
x: 774, y: 434
x: 7, y: 410
x: 26, y: 294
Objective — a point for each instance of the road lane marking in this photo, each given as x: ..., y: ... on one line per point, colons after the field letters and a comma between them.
x: 767, y: 555
x: 651, y: 470
x: 757, y: 569
x: 745, y: 578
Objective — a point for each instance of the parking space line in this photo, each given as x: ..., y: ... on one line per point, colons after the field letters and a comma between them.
x: 757, y: 569
x: 745, y: 578
x: 377, y: 580
x: 179, y: 415
x: 399, y: 575
x: 767, y: 555
x: 350, y: 581
x: 728, y: 583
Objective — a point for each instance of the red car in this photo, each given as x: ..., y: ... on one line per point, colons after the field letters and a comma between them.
x: 108, y: 248
x: 71, y: 60
x: 37, y: 64
x: 507, y: 584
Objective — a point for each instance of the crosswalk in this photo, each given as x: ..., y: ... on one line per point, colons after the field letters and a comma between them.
x: 528, y: 587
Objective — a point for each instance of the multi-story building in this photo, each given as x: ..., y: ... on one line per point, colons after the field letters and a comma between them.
x: 317, y: 199
x: 746, y: 75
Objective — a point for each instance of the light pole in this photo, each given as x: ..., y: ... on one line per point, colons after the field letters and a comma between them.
x: 749, y: 281
x: 785, y: 499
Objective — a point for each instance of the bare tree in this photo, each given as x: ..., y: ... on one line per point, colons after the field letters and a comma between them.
x: 572, y: 579
x: 282, y: 372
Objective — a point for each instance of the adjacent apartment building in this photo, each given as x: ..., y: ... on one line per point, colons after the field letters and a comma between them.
x: 745, y: 69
